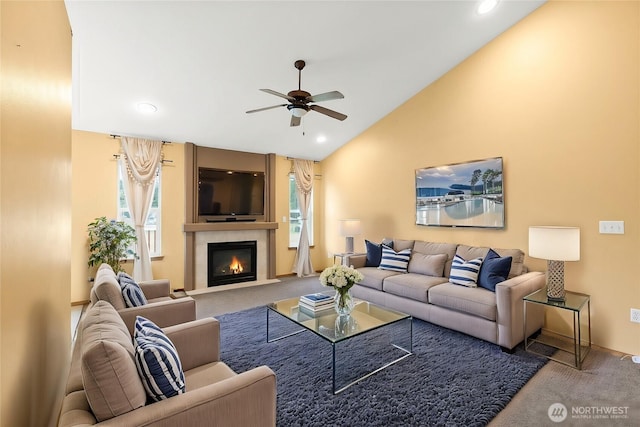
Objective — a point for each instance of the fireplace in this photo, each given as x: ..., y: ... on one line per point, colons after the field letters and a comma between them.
x: 231, y: 262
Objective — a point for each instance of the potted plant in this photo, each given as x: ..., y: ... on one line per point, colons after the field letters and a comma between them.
x: 109, y: 242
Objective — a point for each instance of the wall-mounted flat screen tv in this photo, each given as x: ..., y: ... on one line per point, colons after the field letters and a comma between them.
x: 467, y: 194
x: 230, y: 192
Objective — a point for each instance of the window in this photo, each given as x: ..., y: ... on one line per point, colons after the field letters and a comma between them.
x: 295, y: 216
x: 152, y: 227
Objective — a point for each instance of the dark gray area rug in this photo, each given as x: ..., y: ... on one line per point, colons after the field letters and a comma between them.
x: 451, y: 380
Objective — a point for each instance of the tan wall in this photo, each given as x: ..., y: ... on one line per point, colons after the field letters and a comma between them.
x: 95, y: 194
x: 35, y: 210
x: 557, y: 96
x: 286, y: 255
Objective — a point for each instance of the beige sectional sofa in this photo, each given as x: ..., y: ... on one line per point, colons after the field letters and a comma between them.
x: 104, y: 387
x: 494, y: 316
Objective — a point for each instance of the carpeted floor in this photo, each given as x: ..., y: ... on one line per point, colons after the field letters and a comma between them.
x: 607, y: 379
x: 452, y: 378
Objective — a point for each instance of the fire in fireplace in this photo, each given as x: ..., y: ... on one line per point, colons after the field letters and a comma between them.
x: 231, y: 262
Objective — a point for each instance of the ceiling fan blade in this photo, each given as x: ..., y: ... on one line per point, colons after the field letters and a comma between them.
x: 328, y: 96
x: 266, y: 108
x: 328, y: 112
x: 295, y: 121
x: 281, y: 95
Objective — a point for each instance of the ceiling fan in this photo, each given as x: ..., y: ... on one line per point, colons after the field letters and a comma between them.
x: 299, y: 100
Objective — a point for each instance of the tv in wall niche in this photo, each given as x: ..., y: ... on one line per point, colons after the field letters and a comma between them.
x: 469, y: 194
x: 227, y: 193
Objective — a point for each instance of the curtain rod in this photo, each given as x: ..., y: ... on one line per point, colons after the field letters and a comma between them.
x: 118, y: 136
x: 117, y: 156
x: 293, y: 158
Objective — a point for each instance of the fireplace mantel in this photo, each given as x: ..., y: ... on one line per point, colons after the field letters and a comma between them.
x: 228, y: 226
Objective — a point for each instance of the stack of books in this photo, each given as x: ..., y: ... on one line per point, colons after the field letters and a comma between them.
x: 315, y: 303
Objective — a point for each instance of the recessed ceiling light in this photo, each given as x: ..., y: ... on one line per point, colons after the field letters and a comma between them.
x: 147, y: 108
x: 321, y: 139
x: 486, y: 6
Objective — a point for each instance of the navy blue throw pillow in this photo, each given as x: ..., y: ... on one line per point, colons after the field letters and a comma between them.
x: 374, y: 254
x: 494, y: 270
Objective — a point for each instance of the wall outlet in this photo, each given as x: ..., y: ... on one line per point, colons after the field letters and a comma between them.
x: 635, y: 315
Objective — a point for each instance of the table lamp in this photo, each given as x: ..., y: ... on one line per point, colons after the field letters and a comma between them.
x: 556, y: 245
x: 348, y: 229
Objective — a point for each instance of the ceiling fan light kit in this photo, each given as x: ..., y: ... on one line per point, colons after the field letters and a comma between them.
x: 299, y: 100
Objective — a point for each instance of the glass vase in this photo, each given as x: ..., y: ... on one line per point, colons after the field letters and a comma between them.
x: 343, y: 301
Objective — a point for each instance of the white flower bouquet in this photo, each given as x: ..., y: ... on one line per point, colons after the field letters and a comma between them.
x: 340, y: 277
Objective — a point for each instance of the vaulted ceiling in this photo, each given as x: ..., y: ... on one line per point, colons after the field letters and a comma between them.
x: 202, y: 63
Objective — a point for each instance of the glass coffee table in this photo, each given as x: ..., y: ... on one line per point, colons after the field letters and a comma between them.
x: 375, y: 335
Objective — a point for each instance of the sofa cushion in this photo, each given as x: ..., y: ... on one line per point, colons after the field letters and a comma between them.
x: 157, y: 361
x: 432, y: 248
x: 399, y: 245
x: 394, y: 261
x: 430, y: 265
x: 109, y: 375
x: 108, y: 289
x: 517, y: 256
x: 373, y: 277
x: 411, y: 285
x: 494, y: 269
x: 465, y: 272
x: 475, y: 301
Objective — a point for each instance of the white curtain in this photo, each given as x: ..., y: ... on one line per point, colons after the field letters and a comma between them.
x: 140, y: 161
x: 303, y: 174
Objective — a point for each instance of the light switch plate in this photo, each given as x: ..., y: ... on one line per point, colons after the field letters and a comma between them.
x: 611, y: 227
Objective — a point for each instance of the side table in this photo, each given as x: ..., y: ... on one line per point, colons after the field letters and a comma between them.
x: 344, y: 256
x: 574, y: 302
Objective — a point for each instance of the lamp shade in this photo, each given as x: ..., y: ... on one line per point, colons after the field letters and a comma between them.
x: 554, y: 243
x: 350, y: 227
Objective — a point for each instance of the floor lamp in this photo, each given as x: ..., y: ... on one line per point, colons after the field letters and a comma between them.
x: 556, y: 245
x: 348, y: 229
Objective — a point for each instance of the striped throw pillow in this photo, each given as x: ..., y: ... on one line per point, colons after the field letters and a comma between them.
x: 157, y: 361
x: 132, y: 294
x: 464, y: 272
x: 394, y: 261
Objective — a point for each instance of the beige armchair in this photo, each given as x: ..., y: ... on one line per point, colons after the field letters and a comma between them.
x: 160, y: 308
x: 104, y: 387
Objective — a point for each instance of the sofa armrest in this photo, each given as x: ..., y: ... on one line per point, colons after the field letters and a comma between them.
x: 356, y: 260
x: 510, y: 306
x: 247, y: 399
x: 197, y: 342
x: 162, y: 313
x: 156, y: 288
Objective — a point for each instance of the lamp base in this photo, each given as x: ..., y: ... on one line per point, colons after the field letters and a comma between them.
x: 555, y: 280
x: 349, y: 245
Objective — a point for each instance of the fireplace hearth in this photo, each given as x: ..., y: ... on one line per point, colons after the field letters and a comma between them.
x: 231, y: 262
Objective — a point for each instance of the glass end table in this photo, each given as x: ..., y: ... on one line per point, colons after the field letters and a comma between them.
x: 579, y: 348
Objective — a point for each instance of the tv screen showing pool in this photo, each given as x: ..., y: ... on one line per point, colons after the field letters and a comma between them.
x: 466, y: 194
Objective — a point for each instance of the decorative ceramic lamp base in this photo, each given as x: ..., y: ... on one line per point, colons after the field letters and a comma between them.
x: 555, y: 280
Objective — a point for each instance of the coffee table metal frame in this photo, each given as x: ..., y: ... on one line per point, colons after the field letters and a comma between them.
x: 365, y: 317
